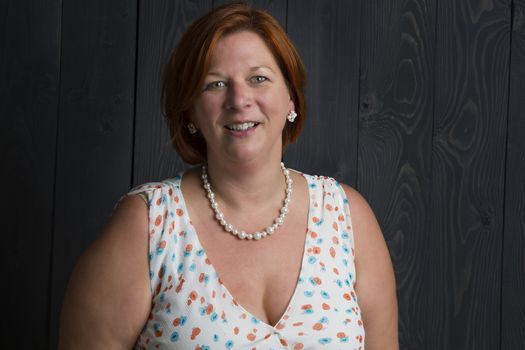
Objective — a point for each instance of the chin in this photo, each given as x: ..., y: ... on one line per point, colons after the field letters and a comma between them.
x: 242, y: 157
x: 245, y: 154
x: 242, y: 153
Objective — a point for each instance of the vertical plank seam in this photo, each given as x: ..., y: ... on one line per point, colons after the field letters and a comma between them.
x: 135, y: 91
x: 433, y: 137
x: 505, y: 175
x: 286, y: 16
x: 358, y: 124
x: 53, y: 201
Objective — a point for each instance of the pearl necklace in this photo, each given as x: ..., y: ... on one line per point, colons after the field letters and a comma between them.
x: 279, y: 221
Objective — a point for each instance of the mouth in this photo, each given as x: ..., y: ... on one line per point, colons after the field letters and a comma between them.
x: 241, y: 126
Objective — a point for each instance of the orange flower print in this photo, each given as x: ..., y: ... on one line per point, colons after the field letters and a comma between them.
x: 195, y: 332
x: 180, y: 285
x: 317, y: 326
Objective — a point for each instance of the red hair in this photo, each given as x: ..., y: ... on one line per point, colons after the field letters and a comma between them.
x: 190, y: 61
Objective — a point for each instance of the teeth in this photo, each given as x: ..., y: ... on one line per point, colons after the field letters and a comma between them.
x: 241, y: 126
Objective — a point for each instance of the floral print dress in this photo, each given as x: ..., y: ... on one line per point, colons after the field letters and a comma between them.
x: 193, y: 309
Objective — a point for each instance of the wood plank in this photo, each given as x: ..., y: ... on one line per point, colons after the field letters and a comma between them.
x: 161, y: 23
x: 326, y: 34
x: 513, y: 269
x: 395, y: 145
x: 468, y: 174
x: 95, y: 130
x: 276, y: 8
x: 30, y: 70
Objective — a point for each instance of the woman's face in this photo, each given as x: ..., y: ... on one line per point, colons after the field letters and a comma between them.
x: 242, y: 109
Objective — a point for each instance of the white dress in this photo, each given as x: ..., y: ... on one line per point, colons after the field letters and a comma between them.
x: 193, y: 309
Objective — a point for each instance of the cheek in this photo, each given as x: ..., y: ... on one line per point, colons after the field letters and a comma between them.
x: 277, y: 102
x: 207, y: 107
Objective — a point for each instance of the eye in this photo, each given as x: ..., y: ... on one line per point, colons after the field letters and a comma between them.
x: 258, y: 79
x: 215, y: 85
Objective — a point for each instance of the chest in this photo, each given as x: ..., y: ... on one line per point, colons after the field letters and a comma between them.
x: 260, y: 275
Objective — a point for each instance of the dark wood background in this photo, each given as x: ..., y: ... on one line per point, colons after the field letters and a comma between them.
x: 418, y: 104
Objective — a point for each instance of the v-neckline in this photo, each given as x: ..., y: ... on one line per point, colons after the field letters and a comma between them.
x: 186, y: 217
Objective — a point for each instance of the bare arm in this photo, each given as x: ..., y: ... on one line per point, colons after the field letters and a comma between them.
x: 108, y: 298
x: 375, y: 285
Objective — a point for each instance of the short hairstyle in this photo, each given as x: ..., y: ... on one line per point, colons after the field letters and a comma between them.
x: 188, y: 65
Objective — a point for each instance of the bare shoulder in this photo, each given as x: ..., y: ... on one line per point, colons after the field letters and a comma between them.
x: 367, y: 233
x: 375, y: 281
x: 361, y: 212
x: 108, y: 297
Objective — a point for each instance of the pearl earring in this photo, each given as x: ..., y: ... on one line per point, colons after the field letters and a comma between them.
x: 291, y: 116
x: 191, y: 128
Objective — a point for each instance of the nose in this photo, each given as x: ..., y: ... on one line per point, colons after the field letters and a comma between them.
x: 239, y: 96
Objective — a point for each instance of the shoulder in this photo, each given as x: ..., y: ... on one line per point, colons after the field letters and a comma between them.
x: 366, y: 231
x: 128, y: 222
x: 108, y: 296
x: 155, y: 195
x: 361, y: 212
x: 375, y: 281
x: 368, y: 236
x: 150, y: 190
x: 363, y: 218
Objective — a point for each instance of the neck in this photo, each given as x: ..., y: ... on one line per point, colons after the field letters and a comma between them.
x: 244, y: 186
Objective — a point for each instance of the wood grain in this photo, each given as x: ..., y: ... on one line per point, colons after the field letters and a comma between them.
x: 30, y: 70
x: 468, y: 169
x: 395, y: 133
x: 161, y: 23
x: 277, y: 8
x: 95, y: 129
x: 513, y: 269
x: 326, y: 34
x: 419, y: 104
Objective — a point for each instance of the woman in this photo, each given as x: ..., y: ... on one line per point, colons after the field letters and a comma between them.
x: 240, y: 252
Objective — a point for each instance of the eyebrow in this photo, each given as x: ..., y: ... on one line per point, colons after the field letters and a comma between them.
x: 213, y: 73
x: 259, y: 67
x: 252, y: 69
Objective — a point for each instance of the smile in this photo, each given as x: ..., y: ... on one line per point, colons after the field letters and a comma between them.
x: 241, y: 126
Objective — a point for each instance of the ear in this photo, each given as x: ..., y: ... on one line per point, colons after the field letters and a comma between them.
x: 189, y: 117
x: 291, y: 105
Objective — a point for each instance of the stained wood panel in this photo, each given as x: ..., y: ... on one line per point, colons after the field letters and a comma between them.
x: 95, y: 129
x: 30, y: 70
x: 326, y: 34
x: 395, y: 134
x: 468, y: 168
x: 513, y: 270
x: 408, y: 101
x: 276, y: 8
x: 161, y: 23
